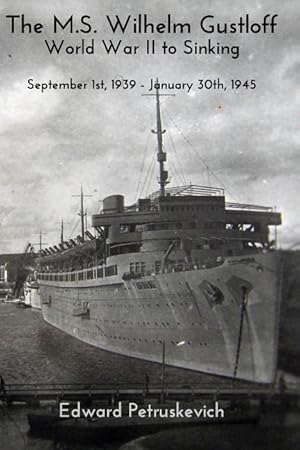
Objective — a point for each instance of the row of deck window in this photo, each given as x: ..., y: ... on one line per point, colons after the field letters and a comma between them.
x: 201, y: 208
x: 180, y: 225
x: 88, y: 274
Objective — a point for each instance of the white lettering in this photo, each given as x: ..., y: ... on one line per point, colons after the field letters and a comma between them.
x: 64, y: 412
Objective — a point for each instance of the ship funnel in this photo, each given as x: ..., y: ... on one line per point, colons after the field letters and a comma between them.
x: 113, y: 204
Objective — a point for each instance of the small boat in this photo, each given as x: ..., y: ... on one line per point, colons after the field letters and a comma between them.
x: 31, y: 293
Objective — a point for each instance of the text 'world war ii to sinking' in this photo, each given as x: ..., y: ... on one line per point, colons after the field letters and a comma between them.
x: 123, y: 35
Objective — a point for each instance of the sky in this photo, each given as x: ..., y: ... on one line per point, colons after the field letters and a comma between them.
x: 54, y: 142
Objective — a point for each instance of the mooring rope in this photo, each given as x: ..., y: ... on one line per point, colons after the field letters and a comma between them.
x: 243, y: 310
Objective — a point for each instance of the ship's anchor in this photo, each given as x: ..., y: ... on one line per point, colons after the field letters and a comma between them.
x: 243, y: 311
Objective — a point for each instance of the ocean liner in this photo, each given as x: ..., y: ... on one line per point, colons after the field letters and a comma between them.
x: 181, y: 271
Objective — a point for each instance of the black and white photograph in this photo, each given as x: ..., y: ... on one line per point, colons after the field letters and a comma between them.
x: 150, y: 231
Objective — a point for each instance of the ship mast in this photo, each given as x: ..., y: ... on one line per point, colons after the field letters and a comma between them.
x: 161, y: 155
x: 40, y: 243
x: 81, y: 212
x: 62, y: 231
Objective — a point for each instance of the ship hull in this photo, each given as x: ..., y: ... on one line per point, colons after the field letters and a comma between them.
x: 222, y: 320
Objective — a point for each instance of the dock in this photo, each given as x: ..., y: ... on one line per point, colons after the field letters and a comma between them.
x: 36, y: 394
